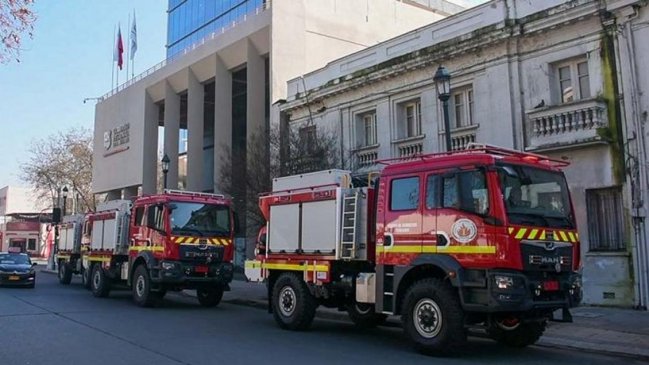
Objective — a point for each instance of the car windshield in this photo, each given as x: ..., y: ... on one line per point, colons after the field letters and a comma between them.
x: 197, y: 219
x: 13, y: 259
x: 535, y: 196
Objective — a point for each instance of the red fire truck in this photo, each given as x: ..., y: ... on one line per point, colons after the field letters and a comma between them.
x: 172, y: 241
x: 70, y: 247
x: 478, y: 239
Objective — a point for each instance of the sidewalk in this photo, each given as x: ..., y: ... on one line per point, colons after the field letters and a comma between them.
x: 611, y: 331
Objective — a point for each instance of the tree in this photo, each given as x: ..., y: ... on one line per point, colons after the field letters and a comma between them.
x: 307, y: 150
x: 62, y: 159
x: 16, y: 18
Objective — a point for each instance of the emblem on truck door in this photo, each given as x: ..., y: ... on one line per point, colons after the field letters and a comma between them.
x: 464, y: 230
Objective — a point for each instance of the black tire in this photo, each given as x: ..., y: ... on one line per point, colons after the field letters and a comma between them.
x: 65, y: 274
x: 433, y: 318
x: 209, y: 296
x: 85, y: 278
x: 99, y: 284
x: 142, y: 293
x: 363, y: 315
x: 292, y: 303
x: 522, y: 335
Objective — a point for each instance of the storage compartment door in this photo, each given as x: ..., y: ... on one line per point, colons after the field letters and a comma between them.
x: 283, y: 229
x: 110, y: 234
x: 97, y: 235
x: 319, y: 227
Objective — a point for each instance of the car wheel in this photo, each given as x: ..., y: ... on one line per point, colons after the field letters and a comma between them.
x: 517, y: 334
x: 364, y: 316
x: 65, y: 274
x: 209, y: 296
x: 85, y: 278
x: 292, y: 304
x: 142, y: 293
x: 99, y: 283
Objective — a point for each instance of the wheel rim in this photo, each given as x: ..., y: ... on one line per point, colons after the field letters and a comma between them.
x: 139, y: 286
x: 427, y: 318
x: 287, y: 299
x: 363, y: 308
x: 96, y: 279
x: 508, y: 324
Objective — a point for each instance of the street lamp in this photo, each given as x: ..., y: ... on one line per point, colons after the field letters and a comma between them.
x: 442, y: 80
x: 165, y: 168
x: 65, y: 196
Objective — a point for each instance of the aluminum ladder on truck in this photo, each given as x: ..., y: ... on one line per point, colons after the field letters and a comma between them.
x: 348, y: 239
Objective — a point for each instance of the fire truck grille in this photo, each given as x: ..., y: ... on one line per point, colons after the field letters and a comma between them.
x: 546, y: 256
x: 202, y: 254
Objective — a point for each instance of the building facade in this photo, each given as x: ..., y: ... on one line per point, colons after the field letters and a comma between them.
x: 23, y: 221
x: 219, y: 90
x: 554, y: 77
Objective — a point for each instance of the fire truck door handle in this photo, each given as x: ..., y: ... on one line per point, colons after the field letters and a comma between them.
x: 388, y: 239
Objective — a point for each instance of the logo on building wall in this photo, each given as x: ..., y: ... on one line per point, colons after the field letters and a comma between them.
x: 464, y: 230
x: 116, y: 139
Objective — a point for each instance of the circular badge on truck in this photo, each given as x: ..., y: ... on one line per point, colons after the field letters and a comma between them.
x: 464, y: 230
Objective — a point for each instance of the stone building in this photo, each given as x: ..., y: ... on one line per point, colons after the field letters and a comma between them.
x: 559, y: 78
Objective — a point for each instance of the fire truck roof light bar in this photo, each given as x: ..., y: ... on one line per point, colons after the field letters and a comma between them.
x: 193, y: 193
x: 480, y: 147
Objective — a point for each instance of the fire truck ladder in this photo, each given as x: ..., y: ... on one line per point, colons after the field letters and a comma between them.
x: 348, y: 241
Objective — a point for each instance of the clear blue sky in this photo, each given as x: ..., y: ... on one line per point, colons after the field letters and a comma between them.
x: 69, y: 59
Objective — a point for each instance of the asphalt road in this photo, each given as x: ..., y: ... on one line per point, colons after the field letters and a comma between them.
x: 55, y: 324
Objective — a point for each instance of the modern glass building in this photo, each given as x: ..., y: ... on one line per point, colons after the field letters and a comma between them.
x: 189, y: 21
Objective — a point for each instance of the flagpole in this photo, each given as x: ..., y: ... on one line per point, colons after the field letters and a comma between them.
x: 112, y: 66
x: 128, y: 49
x: 133, y: 39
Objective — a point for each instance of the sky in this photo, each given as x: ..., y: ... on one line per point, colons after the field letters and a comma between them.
x: 70, y: 58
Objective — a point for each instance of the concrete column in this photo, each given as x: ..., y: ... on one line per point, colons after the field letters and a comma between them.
x: 222, y: 119
x: 150, y: 147
x: 256, y: 94
x: 114, y: 195
x: 172, y: 129
x: 129, y: 192
x: 195, y: 115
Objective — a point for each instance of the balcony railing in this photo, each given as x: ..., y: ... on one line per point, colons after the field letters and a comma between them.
x: 410, y: 146
x: 566, y: 125
x: 460, y: 138
x: 367, y: 156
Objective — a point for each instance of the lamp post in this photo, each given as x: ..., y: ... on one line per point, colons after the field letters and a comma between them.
x: 56, y: 219
x: 165, y: 168
x: 442, y: 80
x: 65, y: 196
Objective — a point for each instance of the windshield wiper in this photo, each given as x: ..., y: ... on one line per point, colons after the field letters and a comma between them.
x: 190, y: 230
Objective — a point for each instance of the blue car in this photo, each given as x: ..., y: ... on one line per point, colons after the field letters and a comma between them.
x: 16, y: 269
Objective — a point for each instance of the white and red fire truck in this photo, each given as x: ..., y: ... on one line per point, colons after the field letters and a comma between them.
x: 477, y: 239
x: 153, y: 244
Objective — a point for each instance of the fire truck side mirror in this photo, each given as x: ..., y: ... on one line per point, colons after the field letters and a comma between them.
x: 237, y: 226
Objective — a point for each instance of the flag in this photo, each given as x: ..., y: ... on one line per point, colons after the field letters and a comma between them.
x: 133, y: 38
x: 119, y: 49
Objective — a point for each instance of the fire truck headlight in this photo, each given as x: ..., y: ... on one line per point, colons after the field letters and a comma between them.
x: 504, y: 282
x: 168, y: 265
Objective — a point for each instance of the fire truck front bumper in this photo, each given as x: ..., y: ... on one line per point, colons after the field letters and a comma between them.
x: 192, y: 275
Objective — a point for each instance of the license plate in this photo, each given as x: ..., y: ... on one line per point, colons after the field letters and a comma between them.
x: 14, y: 278
x: 551, y: 285
x: 201, y: 269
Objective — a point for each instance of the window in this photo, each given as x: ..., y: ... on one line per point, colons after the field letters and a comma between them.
x: 605, y: 219
x: 411, y: 117
x: 369, y: 129
x: 463, y: 108
x: 139, y: 215
x: 31, y: 244
x: 308, y: 138
x: 573, y: 80
x: 404, y: 194
x: 466, y: 191
x: 155, y: 217
x: 432, y: 192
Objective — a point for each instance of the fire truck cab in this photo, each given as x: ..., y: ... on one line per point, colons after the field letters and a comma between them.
x: 172, y: 241
x: 482, y: 238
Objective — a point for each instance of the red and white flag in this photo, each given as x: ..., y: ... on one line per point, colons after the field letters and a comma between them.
x: 119, y: 49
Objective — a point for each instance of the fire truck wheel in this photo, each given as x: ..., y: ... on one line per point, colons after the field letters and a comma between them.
x: 209, y: 296
x: 520, y: 335
x: 85, y: 278
x: 363, y: 315
x: 142, y: 294
x: 99, y: 284
x: 293, y: 305
x: 433, y: 318
x: 65, y: 274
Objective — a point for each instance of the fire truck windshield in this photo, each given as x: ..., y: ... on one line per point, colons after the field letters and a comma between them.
x: 197, y: 219
x: 535, y: 196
